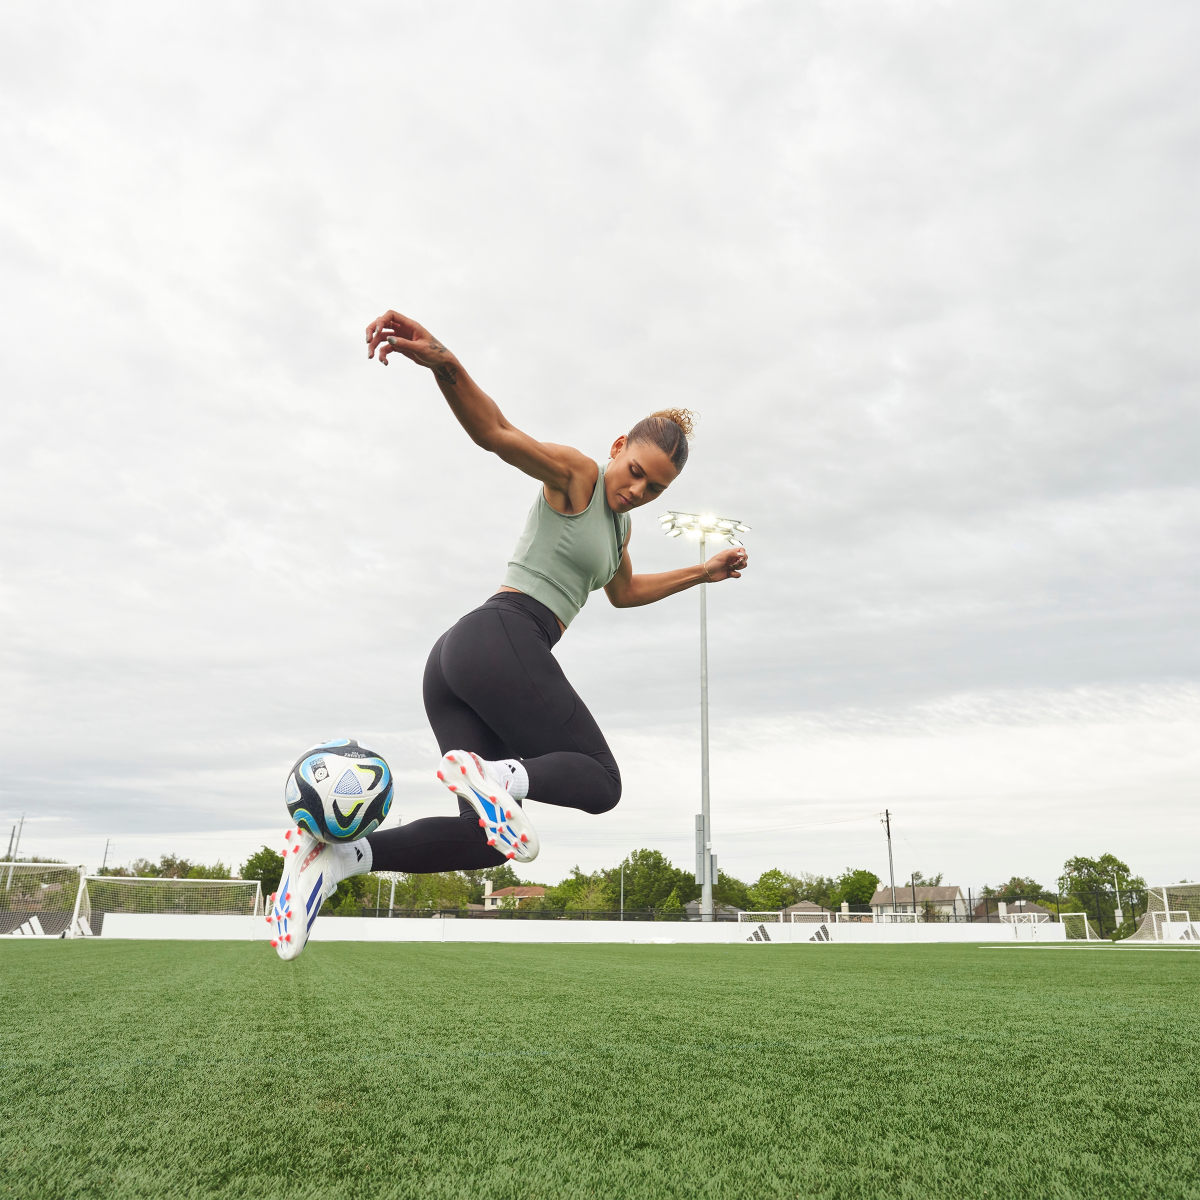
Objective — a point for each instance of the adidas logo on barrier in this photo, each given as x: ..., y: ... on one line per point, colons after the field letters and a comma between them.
x: 822, y: 934
x: 31, y: 928
x: 759, y: 935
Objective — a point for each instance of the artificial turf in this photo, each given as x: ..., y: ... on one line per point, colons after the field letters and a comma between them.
x: 175, y: 1069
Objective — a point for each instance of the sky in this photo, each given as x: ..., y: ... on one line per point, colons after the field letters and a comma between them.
x: 925, y: 271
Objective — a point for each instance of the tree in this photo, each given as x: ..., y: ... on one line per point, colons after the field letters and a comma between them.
x: 650, y: 879
x: 1019, y: 887
x: 774, y: 889
x: 446, y: 889
x: 672, y: 906
x: 581, y: 892
x: 730, y: 891
x: 818, y: 889
x: 920, y: 880
x: 855, y: 887
x: 265, y: 865
x: 1094, y: 882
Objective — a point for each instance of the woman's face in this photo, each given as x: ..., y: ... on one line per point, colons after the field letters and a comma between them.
x: 637, y: 473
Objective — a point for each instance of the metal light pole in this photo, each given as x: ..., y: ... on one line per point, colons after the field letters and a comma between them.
x: 702, y: 526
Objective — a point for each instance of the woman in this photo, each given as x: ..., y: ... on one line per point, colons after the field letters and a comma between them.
x: 507, y: 721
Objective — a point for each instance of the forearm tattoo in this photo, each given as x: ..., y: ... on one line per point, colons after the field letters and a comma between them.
x: 447, y: 373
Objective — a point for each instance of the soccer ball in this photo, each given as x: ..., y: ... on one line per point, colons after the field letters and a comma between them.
x: 339, y: 791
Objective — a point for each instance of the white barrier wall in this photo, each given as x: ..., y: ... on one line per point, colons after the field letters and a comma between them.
x: 452, y: 929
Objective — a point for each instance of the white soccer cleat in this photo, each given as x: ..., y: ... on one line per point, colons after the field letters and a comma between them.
x: 307, y: 881
x: 506, y: 825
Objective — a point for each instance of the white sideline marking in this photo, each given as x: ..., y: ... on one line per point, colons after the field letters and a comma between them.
x: 1101, y: 946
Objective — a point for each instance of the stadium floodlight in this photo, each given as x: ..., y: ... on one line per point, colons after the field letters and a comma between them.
x: 700, y: 527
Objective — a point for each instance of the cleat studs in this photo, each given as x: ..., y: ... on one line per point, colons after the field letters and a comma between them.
x: 482, y: 823
x: 274, y: 942
x: 491, y: 841
x: 287, y: 937
x: 524, y: 837
x: 287, y: 896
x: 508, y: 816
x: 463, y: 770
x: 287, y: 837
x: 510, y: 854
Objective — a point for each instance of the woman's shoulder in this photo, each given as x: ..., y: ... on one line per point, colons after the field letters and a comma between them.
x: 582, y: 478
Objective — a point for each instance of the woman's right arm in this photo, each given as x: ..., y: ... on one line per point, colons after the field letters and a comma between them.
x: 558, y: 467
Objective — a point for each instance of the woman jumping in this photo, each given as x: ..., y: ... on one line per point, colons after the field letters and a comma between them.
x: 508, y: 723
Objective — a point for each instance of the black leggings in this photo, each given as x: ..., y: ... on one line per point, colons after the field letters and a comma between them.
x: 493, y: 686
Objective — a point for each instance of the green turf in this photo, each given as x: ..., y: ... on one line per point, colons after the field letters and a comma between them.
x: 177, y: 1069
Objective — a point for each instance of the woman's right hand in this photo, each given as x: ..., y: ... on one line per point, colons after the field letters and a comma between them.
x: 394, y: 331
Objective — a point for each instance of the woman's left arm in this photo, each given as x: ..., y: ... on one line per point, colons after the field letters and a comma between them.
x: 627, y: 590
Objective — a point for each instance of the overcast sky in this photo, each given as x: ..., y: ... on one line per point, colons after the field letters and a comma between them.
x: 928, y: 272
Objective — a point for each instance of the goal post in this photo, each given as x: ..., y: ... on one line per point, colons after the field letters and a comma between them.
x: 899, y: 918
x: 1081, y: 931
x: 103, y: 894
x: 1026, y: 918
x: 39, y: 899
x: 1172, y: 914
x: 772, y: 916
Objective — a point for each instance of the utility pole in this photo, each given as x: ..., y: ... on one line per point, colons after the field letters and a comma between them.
x: 107, y: 842
x: 887, y: 824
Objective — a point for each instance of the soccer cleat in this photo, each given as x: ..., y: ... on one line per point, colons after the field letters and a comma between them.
x: 308, y: 876
x: 505, y: 824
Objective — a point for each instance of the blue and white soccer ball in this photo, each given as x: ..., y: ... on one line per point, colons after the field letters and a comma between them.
x: 339, y: 791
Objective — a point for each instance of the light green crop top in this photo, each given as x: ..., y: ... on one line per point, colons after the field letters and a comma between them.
x: 560, y: 559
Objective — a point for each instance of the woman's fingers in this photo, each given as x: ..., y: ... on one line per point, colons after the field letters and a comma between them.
x: 391, y: 323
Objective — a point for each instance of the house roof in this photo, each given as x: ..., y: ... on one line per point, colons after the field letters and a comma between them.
x: 525, y: 890
x: 904, y: 895
x: 805, y: 906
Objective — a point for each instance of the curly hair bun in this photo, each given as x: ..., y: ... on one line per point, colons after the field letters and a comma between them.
x: 683, y: 417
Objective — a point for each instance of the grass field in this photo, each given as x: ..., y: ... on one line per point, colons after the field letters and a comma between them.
x: 172, y: 1069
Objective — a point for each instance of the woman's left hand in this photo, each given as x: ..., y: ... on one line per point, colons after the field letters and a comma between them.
x: 728, y: 564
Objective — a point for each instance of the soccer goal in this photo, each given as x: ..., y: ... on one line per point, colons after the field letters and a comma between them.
x: 38, y: 899
x: 1172, y: 914
x: 811, y: 917
x: 1079, y: 928
x: 854, y: 918
x: 103, y: 894
x: 1027, y: 918
x: 899, y: 918
x: 772, y: 917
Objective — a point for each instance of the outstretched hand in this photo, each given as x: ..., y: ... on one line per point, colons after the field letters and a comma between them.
x: 728, y: 564
x: 393, y: 331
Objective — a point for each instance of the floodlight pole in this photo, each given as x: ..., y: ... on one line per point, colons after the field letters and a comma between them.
x: 706, y: 886
x: 703, y: 525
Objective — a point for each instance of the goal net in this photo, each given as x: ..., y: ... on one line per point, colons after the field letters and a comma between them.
x: 854, y: 918
x: 1078, y: 927
x: 1172, y: 914
x: 1026, y: 918
x: 38, y: 899
x: 811, y: 916
x: 772, y: 917
x: 899, y: 917
x: 103, y: 894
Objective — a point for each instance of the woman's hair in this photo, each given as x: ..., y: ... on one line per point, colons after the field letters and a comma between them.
x: 669, y: 430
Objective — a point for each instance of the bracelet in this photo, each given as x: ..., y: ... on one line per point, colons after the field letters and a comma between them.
x: 704, y: 567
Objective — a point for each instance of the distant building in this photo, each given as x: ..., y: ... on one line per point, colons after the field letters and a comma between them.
x: 515, y: 896
x: 721, y: 912
x: 940, y: 902
x: 989, y: 910
x: 808, y: 908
